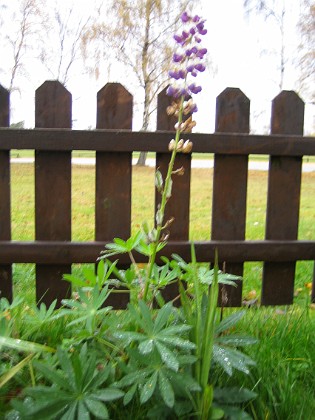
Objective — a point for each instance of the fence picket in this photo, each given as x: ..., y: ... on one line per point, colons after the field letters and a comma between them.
x: 113, y: 174
x: 5, y: 197
x: 52, y: 189
x: 283, y: 200
x: 230, y: 185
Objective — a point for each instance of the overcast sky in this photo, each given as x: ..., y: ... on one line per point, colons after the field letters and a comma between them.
x: 244, y: 53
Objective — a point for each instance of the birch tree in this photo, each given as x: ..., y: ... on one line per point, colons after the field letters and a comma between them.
x: 66, y: 25
x: 306, y: 60
x: 273, y: 10
x: 25, y: 25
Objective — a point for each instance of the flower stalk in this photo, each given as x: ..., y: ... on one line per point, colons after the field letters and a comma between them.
x: 187, y: 62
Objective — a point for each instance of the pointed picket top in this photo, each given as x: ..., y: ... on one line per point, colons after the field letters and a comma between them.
x: 4, y: 107
x: 53, y: 106
x: 114, y: 107
x: 232, y: 111
x: 287, y: 113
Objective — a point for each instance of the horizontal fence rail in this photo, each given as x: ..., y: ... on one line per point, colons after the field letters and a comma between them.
x: 113, y: 140
x: 129, y: 141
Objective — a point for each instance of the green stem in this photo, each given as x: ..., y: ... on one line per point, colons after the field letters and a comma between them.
x: 164, y: 200
x: 209, y: 327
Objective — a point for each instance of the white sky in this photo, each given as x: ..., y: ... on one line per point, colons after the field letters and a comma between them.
x: 236, y: 47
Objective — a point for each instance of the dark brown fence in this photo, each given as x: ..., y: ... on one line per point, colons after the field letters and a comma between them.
x: 53, y: 252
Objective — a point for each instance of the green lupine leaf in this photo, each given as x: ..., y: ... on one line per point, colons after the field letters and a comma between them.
x: 233, y: 395
x: 66, y: 366
x: 236, y: 340
x: 52, y: 375
x: 230, y: 358
x: 130, y: 394
x: 83, y: 413
x: 146, y: 317
x: 70, y: 414
x: 133, y: 377
x: 108, y: 394
x: 176, y: 329
x: 176, y: 341
x: 22, y: 345
x: 129, y: 336
x: 40, y: 410
x: 184, y: 381
x: 167, y: 356
x: 229, y: 322
x: 162, y: 317
x: 148, y: 388
x: 97, y: 408
x: 76, y: 281
x: 166, y: 390
x: 217, y: 413
x: 146, y: 346
x: 186, y: 359
x: 235, y: 413
x: 100, y: 377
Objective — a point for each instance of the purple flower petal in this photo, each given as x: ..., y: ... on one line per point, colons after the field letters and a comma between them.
x: 200, y: 67
x: 185, y: 18
x: 177, y: 58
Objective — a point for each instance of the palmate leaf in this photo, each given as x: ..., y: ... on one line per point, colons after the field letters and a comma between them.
x: 48, y: 409
x: 130, y: 394
x: 97, y: 408
x: 166, y: 390
x: 22, y: 345
x: 77, y: 389
x: 236, y: 340
x: 229, y: 322
x: 233, y: 395
x: 162, y: 317
x: 148, y: 388
x: 231, y: 358
x: 119, y: 246
x: 107, y: 394
x: 146, y: 346
x: 168, y: 357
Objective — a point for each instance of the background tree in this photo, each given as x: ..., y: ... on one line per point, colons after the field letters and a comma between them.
x: 66, y: 25
x: 306, y: 60
x: 26, y: 25
x: 275, y: 10
x: 137, y: 34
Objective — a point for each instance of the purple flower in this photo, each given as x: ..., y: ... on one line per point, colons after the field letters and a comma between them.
x: 171, y: 91
x: 200, y: 67
x: 185, y: 18
x: 177, y: 58
x: 194, y: 89
x: 187, y: 60
x: 178, y: 39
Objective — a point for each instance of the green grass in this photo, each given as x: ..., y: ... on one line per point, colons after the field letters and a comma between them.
x: 83, y: 191
x: 283, y: 377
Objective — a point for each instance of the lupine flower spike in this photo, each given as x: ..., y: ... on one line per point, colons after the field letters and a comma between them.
x: 187, y: 63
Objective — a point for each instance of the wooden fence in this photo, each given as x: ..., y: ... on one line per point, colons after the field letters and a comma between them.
x: 53, y: 252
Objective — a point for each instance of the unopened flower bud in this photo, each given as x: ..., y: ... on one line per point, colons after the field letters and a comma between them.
x: 171, y: 145
x: 187, y: 147
x: 180, y: 144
